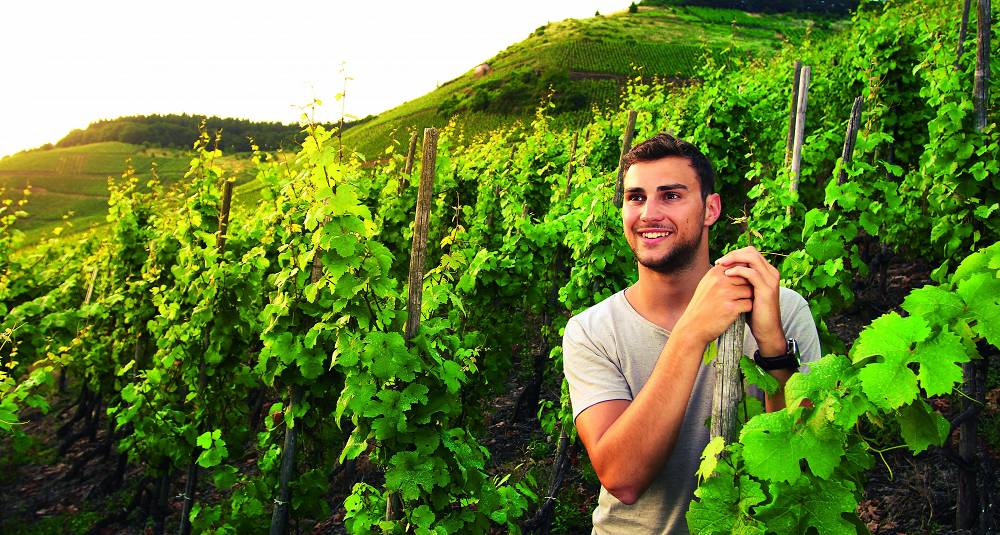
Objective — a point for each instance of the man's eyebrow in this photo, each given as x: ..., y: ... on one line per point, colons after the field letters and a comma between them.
x: 668, y: 187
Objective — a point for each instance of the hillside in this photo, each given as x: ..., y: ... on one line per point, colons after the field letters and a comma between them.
x: 74, y: 181
x: 586, y: 63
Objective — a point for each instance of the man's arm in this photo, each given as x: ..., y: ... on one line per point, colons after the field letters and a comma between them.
x: 628, y: 442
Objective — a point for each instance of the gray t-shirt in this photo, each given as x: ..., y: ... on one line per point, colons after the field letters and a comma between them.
x: 609, y: 352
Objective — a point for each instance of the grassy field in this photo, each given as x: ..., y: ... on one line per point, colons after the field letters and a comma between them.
x: 597, y: 54
x: 74, y: 181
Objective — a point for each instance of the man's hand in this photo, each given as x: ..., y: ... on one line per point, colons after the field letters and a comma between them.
x: 717, y: 302
x: 765, y: 322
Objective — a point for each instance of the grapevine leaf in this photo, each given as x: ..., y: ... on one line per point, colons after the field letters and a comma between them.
x: 710, y: 457
x: 356, y: 445
x: 204, y: 440
x: 409, y: 472
x: 921, y: 426
x: 978, y: 262
x: 756, y: 375
x: 766, y: 443
x: 889, y: 384
x: 890, y: 336
x: 773, y: 447
x: 981, y: 293
x: 819, y: 504
x: 938, y: 357
x: 824, y: 376
x: 934, y: 302
x: 716, y: 508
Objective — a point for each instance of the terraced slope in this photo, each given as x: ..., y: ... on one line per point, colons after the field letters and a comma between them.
x: 586, y: 62
x: 74, y: 181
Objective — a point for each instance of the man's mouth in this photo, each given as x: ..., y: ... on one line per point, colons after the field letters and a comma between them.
x: 654, y: 234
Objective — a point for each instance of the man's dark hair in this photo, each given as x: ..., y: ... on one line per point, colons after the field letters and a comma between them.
x: 663, y: 145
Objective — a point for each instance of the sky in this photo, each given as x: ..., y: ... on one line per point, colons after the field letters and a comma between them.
x: 68, y: 63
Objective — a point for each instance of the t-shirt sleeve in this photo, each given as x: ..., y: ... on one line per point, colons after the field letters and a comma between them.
x: 592, y: 374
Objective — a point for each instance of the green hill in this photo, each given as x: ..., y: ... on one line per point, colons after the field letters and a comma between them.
x: 586, y: 63
x: 581, y: 63
x: 74, y: 181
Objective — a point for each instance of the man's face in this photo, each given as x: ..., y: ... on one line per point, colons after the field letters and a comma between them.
x: 663, y: 215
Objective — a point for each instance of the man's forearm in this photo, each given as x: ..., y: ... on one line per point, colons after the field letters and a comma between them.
x: 633, y: 450
x: 776, y: 402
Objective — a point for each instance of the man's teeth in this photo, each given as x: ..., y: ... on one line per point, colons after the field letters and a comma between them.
x: 651, y: 235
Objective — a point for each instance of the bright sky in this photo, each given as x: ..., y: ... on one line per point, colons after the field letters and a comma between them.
x: 68, y: 63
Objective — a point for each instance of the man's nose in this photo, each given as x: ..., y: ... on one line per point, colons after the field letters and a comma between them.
x: 651, y: 211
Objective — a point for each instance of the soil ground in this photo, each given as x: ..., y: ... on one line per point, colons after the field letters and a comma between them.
x: 903, y: 495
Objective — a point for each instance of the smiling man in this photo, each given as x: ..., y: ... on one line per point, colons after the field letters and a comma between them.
x: 640, y: 393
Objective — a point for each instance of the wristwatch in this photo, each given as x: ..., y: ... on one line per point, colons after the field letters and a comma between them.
x: 788, y: 361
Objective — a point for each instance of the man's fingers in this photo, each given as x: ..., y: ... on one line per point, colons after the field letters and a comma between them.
x: 752, y: 276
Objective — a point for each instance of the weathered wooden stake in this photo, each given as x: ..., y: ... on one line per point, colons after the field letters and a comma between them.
x: 279, y: 517
x: 850, y: 139
x: 572, y: 157
x: 963, y: 29
x: 968, y: 506
x: 626, y: 145
x: 792, y: 109
x: 418, y: 254
x: 981, y: 86
x: 190, y: 485
x: 404, y: 181
x: 800, y: 128
x: 421, y: 223
x: 728, y: 386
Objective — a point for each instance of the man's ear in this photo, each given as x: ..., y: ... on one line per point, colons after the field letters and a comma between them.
x: 713, y: 209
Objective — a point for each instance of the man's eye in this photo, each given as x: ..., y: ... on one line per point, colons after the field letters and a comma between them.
x: 635, y: 198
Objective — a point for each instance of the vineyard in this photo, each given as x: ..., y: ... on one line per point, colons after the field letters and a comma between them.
x: 327, y: 358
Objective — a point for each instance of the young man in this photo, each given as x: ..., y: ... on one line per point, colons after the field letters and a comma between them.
x: 640, y: 393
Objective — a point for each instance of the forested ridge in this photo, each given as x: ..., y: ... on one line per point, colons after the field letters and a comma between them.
x: 330, y: 357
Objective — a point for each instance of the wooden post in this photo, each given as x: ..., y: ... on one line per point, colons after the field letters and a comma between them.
x: 850, y: 138
x: 963, y: 29
x: 408, y: 167
x: 227, y: 200
x: 279, y: 517
x: 626, y: 145
x: 190, y: 485
x: 569, y: 166
x: 728, y: 385
x: 968, y: 503
x: 418, y: 254
x: 421, y: 223
x: 793, y: 108
x: 981, y: 86
x: 800, y: 128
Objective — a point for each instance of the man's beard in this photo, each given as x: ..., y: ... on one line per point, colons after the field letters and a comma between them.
x: 679, y: 258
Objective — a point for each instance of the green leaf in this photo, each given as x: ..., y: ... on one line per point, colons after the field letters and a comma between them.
x: 204, y: 440
x: 711, y: 352
x: 891, y: 336
x: 824, y: 376
x: 356, y: 445
x: 934, y: 304
x: 773, y: 447
x: 710, y: 457
x: 409, y: 473
x: 716, y: 507
x: 817, y: 503
x: 981, y: 293
x: 756, y: 375
x: 939, y: 358
x: 921, y: 426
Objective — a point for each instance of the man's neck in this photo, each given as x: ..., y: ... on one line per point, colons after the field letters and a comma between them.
x: 662, y: 297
